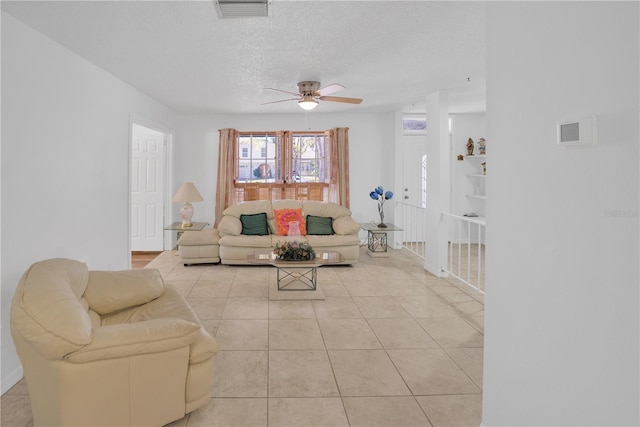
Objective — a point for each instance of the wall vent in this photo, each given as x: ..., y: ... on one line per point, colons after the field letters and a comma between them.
x: 243, y: 8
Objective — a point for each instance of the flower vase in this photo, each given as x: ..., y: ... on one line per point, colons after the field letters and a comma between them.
x: 381, y: 212
x: 294, y: 230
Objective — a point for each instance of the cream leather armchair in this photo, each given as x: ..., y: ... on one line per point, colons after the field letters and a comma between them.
x: 102, y: 348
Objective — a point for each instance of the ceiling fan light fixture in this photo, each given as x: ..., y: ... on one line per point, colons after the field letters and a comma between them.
x: 308, y: 103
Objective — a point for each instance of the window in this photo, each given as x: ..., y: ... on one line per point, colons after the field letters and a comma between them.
x: 414, y: 125
x: 310, y: 157
x: 322, y: 157
x: 285, y: 157
x: 259, y: 161
x: 269, y: 160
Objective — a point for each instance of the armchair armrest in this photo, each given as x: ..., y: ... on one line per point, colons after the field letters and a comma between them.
x: 110, y: 291
x: 128, y: 339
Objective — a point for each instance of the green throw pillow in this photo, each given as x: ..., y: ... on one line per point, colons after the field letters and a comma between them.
x: 254, y: 225
x: 319, y: 225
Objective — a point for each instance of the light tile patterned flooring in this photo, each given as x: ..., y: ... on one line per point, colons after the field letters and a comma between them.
x: 390, y: 345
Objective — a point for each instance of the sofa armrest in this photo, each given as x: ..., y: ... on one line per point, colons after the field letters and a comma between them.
x: 129, y: 339
x: 345, y: 225
x: 230, y: 226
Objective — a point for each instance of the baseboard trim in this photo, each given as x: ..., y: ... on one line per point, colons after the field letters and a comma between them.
x: 11, y: 379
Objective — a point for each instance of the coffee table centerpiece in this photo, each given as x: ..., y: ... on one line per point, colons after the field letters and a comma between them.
x: 294, y: 251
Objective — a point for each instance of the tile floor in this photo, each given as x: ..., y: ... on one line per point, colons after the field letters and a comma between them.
x: 390, y: 345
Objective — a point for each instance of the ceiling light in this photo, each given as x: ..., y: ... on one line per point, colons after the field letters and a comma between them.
x: 308, y: 103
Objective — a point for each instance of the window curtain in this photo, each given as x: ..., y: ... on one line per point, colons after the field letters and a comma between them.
x: 339, y: 182
x: 286, y: 155
x: 226, y: 171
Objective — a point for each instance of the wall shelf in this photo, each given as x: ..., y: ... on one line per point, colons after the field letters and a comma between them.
x: 472, y: 196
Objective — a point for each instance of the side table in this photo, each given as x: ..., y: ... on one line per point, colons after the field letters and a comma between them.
x: 377, y: 238
x: 177, y: 226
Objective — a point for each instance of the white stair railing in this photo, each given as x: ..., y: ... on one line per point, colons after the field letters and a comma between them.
x: 466, y: 250
x: 412, y: 220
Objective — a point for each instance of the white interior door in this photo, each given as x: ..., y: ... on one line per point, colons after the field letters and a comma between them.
x: 147, y: 189
x: 413, y: 181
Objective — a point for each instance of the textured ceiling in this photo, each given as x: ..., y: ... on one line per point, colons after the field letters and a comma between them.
x: 390, y: 53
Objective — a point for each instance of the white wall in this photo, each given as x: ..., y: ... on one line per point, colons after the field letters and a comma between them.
x: 561, y: 303
x: 371, y: 145
x: 65, y: 170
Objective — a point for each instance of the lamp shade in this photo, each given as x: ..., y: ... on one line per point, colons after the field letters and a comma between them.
x: 308, y: 103
x: 187, y: 193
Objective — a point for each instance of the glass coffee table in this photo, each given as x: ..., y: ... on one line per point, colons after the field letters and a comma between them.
x: 296, y: 275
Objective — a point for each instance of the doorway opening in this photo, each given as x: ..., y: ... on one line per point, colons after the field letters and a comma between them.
x: 148, y: 188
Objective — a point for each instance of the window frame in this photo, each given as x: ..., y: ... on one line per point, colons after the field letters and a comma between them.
x: 282, y: 185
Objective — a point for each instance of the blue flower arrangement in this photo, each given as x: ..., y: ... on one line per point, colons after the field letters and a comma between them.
x: 381, y: 196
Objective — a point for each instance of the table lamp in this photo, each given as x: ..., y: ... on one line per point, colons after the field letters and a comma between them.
x: 187, y: 193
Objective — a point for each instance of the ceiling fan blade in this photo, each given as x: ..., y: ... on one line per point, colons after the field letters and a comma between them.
x: 328, y: 89
x: 282, y: 100
x: 341, y: 99
x: 283, y: 91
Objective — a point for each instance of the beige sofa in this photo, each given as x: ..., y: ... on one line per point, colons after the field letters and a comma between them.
x: 234, y: 246
x: 102, y: 348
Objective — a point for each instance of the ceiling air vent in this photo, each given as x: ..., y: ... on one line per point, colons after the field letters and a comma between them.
x: 243, y: 8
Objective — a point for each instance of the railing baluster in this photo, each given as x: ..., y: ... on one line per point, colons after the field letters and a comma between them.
x: 413, y: 222
x: 413, y: 218
x: 456, y: 240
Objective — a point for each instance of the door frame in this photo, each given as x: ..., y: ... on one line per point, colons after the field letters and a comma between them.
x: 167, y: 175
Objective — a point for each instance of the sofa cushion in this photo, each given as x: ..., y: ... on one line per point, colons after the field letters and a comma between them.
x: 131, y: 339
x: 284, y: 217
x: 254, y: 225
x: 209, y: 236
x: 345, y: 225
x: 230, y: 225
x: 286, y: 204
x: 110, y: 291
x: 246, y: 241
x: 280, y: 240
x: 318, y: 242
x: 326, y: 209
x: 319, y: 225
x: 249, y: 208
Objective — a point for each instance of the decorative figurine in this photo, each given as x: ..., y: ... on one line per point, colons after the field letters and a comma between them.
x: 482, y: 146
x: 460, y: 157
x: 470, y: 147
x: 484, y: 168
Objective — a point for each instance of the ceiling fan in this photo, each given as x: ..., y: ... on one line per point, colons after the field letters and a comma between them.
x: 310, y: 92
